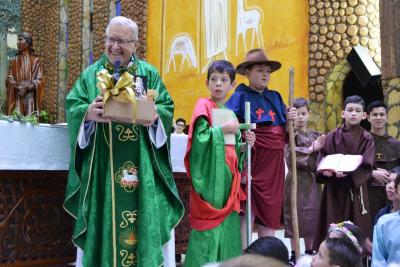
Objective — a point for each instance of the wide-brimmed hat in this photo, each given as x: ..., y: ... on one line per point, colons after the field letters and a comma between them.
x: 257, y: 56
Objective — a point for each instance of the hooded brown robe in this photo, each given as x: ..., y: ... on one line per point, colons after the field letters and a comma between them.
x: 346, y: 198
x: 308, y: 191
x: 387, y: 156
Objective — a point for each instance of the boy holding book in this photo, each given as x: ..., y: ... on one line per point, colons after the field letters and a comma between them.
x: 213, y: 167
x: 270, y: 114
x: 308, y: 143
x: 345, y: 195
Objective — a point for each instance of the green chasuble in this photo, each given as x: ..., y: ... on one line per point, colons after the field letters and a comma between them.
x: 212, y: 179
x: 120, y: 188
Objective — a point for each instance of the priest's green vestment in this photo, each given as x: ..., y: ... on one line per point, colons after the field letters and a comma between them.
x: 120, y: 189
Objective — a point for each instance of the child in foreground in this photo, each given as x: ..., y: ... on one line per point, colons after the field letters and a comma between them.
x: 337, y: 252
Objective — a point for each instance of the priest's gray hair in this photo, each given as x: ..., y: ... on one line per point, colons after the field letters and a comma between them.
x: 124, y: 21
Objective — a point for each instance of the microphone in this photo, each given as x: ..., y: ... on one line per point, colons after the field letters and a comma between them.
x: 116, y: 71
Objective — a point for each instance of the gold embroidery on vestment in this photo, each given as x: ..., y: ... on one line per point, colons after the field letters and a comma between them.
x: 129, y: 133
x: 128, y: 217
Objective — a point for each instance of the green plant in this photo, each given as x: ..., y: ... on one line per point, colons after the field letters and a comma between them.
x: 44, y: 116
x: 17, y: 116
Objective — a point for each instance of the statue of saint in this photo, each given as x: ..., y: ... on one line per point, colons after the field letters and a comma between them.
x: 24, y: 84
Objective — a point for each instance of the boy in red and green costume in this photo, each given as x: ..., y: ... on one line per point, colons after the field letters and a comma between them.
x: 213, y: 168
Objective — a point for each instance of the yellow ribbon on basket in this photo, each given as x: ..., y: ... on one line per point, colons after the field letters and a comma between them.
x: 122, y: 91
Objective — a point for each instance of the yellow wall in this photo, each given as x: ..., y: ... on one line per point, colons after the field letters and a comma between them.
x: 283, y: 33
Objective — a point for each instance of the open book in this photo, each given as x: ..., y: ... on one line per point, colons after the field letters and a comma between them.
x: 219, y: 117
x: 340, y: 163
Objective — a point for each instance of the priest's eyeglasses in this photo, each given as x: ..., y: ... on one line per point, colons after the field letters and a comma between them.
x: 118, y: 41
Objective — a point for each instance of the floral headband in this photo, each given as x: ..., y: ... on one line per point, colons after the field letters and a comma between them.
x: 342, y: 228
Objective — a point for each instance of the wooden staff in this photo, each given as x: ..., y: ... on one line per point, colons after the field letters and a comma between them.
x: 293, y: 187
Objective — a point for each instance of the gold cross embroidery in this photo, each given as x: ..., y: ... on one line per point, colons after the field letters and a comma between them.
x: 127, y: 134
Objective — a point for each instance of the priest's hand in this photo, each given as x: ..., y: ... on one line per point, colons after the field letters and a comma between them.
x: 231, y: 126
x: 95, y: 111
x: 381, y: 176
x: 148, y: 123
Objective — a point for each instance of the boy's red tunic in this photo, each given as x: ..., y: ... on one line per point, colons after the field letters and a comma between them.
x: 203, y: 216
x: 268, y: 165
x: 268, y: 170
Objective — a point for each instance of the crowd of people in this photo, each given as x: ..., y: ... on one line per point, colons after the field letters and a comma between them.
x: 347, y: 197
x: 123, y: 197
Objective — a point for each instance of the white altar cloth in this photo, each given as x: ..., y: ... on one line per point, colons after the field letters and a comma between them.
x: 24, y: 146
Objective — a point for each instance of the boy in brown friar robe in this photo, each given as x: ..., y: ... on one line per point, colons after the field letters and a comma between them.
x: 345, y: 195
x: 308, y: 143
x: 387, y: 156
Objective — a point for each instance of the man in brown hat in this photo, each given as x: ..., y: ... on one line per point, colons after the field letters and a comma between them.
x: 270, y: 114
x: 24, y: 81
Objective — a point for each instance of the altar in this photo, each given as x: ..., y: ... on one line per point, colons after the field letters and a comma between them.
x: 34, y: 228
